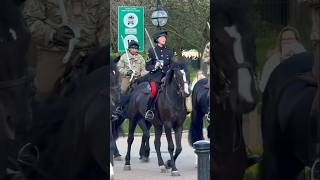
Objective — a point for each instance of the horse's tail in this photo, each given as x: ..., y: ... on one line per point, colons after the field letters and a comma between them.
x: 195, y: 130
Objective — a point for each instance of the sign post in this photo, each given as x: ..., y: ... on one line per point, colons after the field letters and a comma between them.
x: 130, y: 26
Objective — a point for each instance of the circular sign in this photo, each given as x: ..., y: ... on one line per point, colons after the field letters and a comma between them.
x: 129, y: 38
x: 130, y: 20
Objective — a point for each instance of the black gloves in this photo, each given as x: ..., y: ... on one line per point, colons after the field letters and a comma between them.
x: 63, y: 35
x: 129, y: 73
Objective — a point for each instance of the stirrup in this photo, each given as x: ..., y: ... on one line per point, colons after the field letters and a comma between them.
x: 118, y: 110
x: 149, y: 115
x: 315, y: 170
x: 114, y: 117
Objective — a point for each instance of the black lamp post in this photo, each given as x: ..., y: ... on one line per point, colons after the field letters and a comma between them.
x: 159, y: 17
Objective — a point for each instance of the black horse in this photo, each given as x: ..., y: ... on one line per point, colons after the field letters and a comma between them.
x: 288, y: 125
x: 15, y: 84
x: 200, y: 107
x: 234, y: 92
x: 71, y: 132
x: 170, y: 113
x: 114, y: 100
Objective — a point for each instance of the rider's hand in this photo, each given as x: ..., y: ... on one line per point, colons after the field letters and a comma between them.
x: 158, y: 65
x: 63, y: 35
x: 129, y: 72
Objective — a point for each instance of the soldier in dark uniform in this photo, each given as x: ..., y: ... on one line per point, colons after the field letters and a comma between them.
x: 157, y: 64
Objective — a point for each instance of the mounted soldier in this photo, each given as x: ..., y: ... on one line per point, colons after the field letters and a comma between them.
x: 131, y: 66
x: 158, y: 63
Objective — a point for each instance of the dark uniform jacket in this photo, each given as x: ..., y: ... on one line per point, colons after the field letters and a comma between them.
x: 165, y: 54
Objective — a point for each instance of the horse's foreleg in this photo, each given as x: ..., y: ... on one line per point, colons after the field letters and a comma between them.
x: 132, y: 127
x: 157, y: 145
x: 174, y: 171
x: 145, y: 141
x: 147, y: 147
x: 178, y: 137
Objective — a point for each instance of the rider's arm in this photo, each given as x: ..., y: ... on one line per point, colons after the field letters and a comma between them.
x: 35, y: 16
x: 150, y: 62
x: 142, y: 67
x: 123, y: 69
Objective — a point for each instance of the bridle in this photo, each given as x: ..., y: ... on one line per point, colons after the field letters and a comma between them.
x: 180, y: 87
x: 226, y: 82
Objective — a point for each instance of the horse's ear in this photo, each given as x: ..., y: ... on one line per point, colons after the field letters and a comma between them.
x: 169, y: 76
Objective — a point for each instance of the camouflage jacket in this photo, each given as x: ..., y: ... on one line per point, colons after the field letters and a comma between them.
x: 136, y: 62
x: 43, y: 17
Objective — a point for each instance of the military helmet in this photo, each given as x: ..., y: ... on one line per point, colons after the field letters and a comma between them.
x: 133, y: 44
x: 158, y: 34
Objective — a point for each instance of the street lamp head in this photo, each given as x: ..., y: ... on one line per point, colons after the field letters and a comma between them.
x: 159, y: 17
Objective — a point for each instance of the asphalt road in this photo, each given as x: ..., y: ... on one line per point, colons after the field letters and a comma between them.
x: 150, y: 170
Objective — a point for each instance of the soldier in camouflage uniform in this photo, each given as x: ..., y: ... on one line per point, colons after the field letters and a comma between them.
x: 206, y: 59
x: 134, y: 66
x: 51, y: 36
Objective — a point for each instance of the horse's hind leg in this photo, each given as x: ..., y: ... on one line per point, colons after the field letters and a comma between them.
x: 145, y: 148
x: 132, y: 127
x: 157, y: 144
x: 174, y: 171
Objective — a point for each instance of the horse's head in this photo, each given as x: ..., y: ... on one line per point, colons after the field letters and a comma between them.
x: 234, y: 56
x: 179, y: 75
x: 114, y: 86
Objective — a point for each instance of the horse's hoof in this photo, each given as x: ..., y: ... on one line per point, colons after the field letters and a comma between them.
x: 127, y: 167
x: 168, y: 164
x: 175, y: 173
x: 163, y: 169
x: 144, y: 159
x: 118, y: 158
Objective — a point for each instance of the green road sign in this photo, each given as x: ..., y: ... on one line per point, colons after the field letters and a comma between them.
x: 130, y: 26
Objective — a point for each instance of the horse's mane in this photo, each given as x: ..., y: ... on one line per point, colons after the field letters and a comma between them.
x: 181, y: 64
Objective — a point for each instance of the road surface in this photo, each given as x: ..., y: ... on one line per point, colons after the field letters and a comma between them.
x: 150, y: 170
